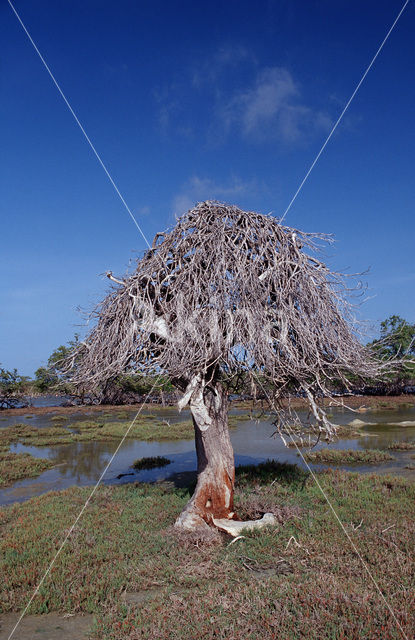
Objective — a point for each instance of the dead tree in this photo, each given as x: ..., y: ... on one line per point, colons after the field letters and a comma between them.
x: 227, y: 292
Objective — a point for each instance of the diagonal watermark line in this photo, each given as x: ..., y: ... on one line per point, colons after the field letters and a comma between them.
x: 343, y: 112
x: 98, y: 157
x: 346, y: 533
x: 148, y: 244
x: 156, y: 381
x: 66, y: 538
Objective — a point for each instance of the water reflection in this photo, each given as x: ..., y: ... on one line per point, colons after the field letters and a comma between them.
x: 121, y: 414
x: 82, y: 463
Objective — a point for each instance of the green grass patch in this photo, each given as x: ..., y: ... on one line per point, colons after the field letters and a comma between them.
x: 343, y: 431
x: 150, y: 463
x: 402, y: 446
x: 16, y: 466
x: 300, y: 579
x: 233, y: 421
x: 349, y: 430
x: 85, y: 425
x: 282, y: 472
x: 146, y: 428
x: 347, y: 456
x: 30, y: 435
x: 150, y: 430
x: 95, y: 430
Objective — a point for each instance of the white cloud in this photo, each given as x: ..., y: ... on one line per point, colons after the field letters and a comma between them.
x: 271, y: 108
x: 168, y: 105
x: 238, y: 97
x: 274, y: 88
x: 182, y: 203
x: 230, y: 55
x: 143, y: 211
x: 198, y: 189
x: 226, y: 58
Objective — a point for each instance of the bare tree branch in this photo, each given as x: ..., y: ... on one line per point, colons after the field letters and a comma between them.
x: 231, y: 291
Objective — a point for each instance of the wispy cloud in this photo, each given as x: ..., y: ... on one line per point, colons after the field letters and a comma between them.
x: 225, y: 59
x: 197, y: 189
x: 233, y: 95
x: 272, y: 109
x: 143, y: 211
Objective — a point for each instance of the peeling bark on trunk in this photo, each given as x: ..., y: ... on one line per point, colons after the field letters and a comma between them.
x: 213, y: 496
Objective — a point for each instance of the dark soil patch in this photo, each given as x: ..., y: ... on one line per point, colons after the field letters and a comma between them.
x: 52, y: 626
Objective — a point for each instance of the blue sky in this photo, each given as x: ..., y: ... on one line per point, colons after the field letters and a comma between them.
x: 188, y: 101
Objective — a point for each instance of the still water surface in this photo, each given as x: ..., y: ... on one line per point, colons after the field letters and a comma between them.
x: 82, y: 463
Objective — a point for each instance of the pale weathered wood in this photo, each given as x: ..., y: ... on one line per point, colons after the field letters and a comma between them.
x: 238, y: 291
x: 229, y: 293
x: 235, y: 527
x: 213, y: 496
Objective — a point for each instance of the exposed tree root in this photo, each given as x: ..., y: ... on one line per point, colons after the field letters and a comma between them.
x: 234, y: 527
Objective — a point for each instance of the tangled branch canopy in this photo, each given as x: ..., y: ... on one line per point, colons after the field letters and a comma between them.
x: 233, y: 290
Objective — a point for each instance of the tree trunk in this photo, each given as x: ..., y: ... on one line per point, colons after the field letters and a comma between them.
x: 213, y: 496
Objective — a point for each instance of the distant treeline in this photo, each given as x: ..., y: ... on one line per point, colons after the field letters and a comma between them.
x: 396, y: 342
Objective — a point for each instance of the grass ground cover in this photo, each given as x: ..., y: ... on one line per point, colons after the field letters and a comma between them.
x: 145, y: 428
x: 347, y: 456
x: 150, y: 463
x: 361, y: 403
x: 342, y: 431
x: 15, y: 466
x: 299, y: 579
x: 402, y: 446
